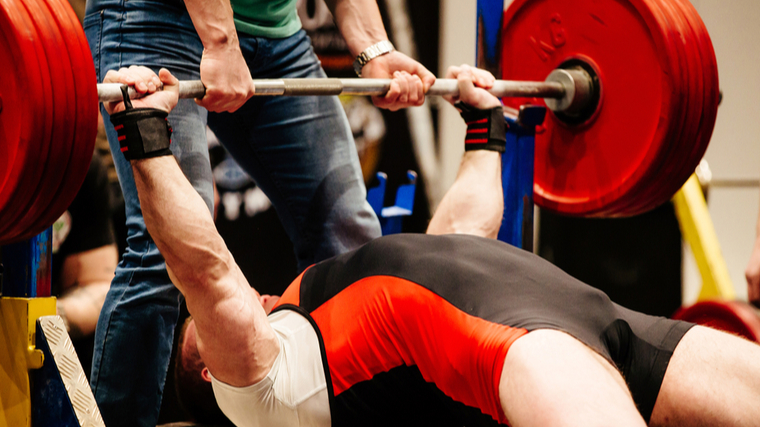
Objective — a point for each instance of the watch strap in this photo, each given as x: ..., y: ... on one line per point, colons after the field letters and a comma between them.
x: 370, y: 53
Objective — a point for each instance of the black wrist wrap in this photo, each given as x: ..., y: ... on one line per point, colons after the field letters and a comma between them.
x: 486, y: 129
x: 143, y: 132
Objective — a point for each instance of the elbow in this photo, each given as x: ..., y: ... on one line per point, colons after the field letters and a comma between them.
x: 200, y: 269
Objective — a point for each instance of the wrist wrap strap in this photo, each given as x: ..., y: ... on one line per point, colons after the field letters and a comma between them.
x: 143, y: 132
x: 486, y: 129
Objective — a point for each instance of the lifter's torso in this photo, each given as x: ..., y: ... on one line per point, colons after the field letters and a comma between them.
x: 416, y: 327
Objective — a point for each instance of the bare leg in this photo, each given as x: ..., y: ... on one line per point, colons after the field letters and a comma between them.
x: 474, y: 204
x: 552, y: 379
x: 713, y: 379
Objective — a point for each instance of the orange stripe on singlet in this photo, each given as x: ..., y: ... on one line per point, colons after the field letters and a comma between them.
x: 382, y: 322
x: 292, y: 294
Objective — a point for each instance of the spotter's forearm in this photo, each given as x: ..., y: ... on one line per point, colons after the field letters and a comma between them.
x: 213, y: 21
x: 359, y: 22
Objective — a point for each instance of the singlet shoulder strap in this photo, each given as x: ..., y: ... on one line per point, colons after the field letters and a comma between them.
x: 325, y: 365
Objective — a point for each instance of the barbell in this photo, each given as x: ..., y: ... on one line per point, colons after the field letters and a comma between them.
x: 631, y: 85
x: 566, y: 90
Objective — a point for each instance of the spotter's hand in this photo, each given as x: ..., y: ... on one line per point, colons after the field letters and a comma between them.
x: 752, y: 273
x: 226, y: 77
x: 159, y: 91
x: 410, y: 80
x: 473, y: 84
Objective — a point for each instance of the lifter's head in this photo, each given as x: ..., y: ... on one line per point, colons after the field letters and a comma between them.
x: 192, y: 381
x: 191, y: 376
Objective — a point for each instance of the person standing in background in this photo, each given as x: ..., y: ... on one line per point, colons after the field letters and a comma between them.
x: 752, y: 272
x: 84, y: 259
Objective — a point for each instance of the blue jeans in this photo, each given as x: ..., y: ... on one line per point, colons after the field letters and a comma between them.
x: 298, y: 150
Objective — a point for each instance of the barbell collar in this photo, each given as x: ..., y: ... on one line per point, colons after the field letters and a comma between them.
x: 579, y: 90
x: 108, y: 92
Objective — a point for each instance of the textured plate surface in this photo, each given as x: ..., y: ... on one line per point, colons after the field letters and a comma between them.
x: 73, y: 377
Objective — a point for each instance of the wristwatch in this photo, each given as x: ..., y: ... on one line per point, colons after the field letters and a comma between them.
x: 370, y: 53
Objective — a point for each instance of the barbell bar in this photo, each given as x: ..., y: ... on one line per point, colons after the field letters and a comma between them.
x: 565, y: 90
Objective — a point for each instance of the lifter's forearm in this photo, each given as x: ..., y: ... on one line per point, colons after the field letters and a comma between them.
x: 475, y: 203
x: 179, y: 222
x: 359, y: 22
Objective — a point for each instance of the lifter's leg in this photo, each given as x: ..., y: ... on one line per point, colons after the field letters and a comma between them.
x: 713, y: 379
x: 552, y: 379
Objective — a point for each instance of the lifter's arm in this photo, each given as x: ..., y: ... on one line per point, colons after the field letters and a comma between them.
x: 234, y: 336
x: 474, y: 204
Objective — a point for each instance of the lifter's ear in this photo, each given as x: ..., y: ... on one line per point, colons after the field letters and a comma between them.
x: 205, y: 375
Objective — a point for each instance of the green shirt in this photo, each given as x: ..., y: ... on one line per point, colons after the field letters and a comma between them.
x: 266, y: 18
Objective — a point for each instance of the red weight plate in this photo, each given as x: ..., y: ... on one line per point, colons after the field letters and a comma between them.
x: 663, y: 182
x: 709, y: 70
x: 84, y: 103
x: 59, y: 191
x: 704, y: 66
x: 641, y: 194
x: 21, y: 93
x: 52, y: 168
x: 682, y: 165
x: 34, y: 90
x: 10, y: 118
x: 730, y: 316
x: 671, y: 176
x: 585, y: 168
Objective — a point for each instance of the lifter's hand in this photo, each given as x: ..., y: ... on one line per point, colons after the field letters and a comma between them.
x: 410, y: 80
x: 472, y: 83
x: 147, y: 83
x: 752, y: 273
x: 227, y: 79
